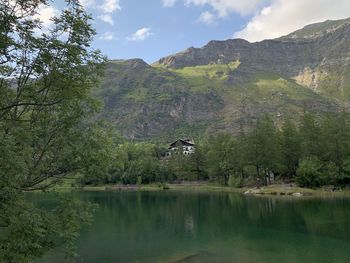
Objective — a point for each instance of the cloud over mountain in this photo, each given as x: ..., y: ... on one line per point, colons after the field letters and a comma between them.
x: 281, y: 17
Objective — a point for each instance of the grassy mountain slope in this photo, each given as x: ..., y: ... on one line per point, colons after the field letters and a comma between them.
x: 317, y: 57
x: 149, y: 102
x: 227, y: 84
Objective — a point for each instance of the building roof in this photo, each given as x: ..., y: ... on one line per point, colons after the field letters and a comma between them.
x: 183, y: 142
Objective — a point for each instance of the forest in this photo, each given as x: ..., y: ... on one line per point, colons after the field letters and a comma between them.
x: 312, y: 152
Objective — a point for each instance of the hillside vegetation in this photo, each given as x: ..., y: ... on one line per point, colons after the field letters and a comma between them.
x: 227, y: 85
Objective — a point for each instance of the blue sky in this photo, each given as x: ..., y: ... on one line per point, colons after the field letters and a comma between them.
x: 151, y: 29
x: 171, y: 29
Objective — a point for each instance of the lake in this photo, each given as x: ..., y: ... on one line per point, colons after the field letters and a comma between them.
x: 186, y: 227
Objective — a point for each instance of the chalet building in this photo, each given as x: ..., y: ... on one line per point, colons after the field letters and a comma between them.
x: 185, y: 147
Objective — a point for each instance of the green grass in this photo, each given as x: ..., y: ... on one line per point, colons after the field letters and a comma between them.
x: 280, y: 86
x: 203, y: 78
x: 211, y: 71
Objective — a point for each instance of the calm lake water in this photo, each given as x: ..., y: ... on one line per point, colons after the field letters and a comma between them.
x: 211, y: 227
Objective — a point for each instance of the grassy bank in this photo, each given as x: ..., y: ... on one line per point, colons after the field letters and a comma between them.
x: 271, y: 190
x: 190, y: 187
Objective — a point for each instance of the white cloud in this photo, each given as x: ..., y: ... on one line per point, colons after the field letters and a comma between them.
x: 45, y: 15
x: 105, y: 7
x: 225, y: 7
x: 106, y: 18
x: 88, y: 3
x: 107, y: 36
x: 141, y: 34
x: 284, y: 16
x: 168, y: 3
x: 109, y: 6
x: 206, y: 18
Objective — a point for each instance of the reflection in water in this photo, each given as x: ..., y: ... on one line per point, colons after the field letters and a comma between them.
x: 197, y: 227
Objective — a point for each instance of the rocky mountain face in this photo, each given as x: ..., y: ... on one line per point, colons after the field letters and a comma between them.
x: 227, y: 84
x: 311, y: 56
x: 145, y: 102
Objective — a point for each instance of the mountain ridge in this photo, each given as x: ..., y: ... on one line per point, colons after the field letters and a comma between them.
x: 318, y: 29
x: 227, y: 84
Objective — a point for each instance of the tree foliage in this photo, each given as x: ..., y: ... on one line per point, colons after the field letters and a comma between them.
x: 46, y: 77
x: 313, y: 152
x: 289, y: 152
x: 138, y: 163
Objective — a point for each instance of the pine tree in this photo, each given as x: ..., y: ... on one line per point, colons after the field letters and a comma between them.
x: 290, y: 148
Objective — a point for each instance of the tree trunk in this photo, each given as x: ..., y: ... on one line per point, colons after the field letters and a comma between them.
x: 258, y: 174
x: 225, y: 179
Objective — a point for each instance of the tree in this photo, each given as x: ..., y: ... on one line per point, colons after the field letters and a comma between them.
x: 242, y: 152
x: 310, y: 136
x: 183, y: 167
x: 139, y: 163
x: 309, y: 173
x: 221, y: 156
x: 263, y: 148
x: 46, y: 76
x: 189, y: 167
x: 97, y: 150
x: 290, y: 148
x: 198, y: 162
x: 335, y: 138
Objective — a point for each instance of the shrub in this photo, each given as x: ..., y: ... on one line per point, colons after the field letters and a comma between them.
x: 235, y: 181
x: 309, y: 173
x: 344, y: 178
x: 165, y: 186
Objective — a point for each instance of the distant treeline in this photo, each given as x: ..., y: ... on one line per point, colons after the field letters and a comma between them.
x: 314, y: 152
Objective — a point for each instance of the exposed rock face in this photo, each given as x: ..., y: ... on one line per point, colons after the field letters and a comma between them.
x: 307, y: 55
x: 144, y: 102
x: 204, y: 89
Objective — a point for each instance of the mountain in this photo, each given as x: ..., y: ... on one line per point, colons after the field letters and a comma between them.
x: 225, y: 85
x: 317, y: 30
x: 316, y: 56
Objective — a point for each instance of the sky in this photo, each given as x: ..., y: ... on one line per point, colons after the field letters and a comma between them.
x: 151, y: 29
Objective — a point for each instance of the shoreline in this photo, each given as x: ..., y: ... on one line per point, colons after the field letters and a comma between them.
x: 275, y: 190
x: 170, y: 188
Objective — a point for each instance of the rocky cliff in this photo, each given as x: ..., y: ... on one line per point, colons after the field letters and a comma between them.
x: 225, y: 85
x: 317, y: 56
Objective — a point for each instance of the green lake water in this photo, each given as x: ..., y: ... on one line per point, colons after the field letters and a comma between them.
x: 178, y: 227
